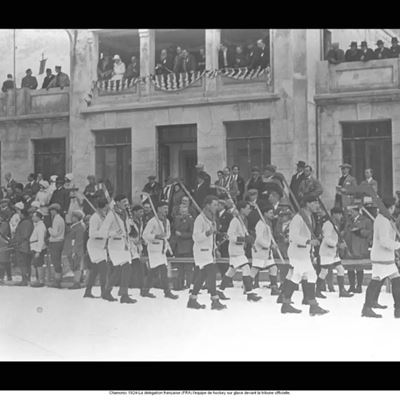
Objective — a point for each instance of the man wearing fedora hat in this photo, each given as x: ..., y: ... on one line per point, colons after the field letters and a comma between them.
x: 381, y: 51
x: 394, y: 48
x: 346, y: 183
x: 366, y: 53
x: 297, y: 178
x: 61, y: 196
x: 352, y: 54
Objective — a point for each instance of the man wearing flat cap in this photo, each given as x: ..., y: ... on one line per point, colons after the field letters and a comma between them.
x: 297, y: 178
x: 366, y: 53
x: 347, y: 183
x: 352, y: 54
x: 381, y: 51
x: 394, y: 48
x: 153, y: 188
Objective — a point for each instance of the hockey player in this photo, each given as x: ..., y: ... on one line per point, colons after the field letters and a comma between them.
x: 262, y: 257
x: 204, y: 231
x: 156, y: 235
x: 116, y: 228
x: 328, y: 252
x: 238, y: 237
x: 301, y: 240
x: 96, y: 247
x: 384, y: 245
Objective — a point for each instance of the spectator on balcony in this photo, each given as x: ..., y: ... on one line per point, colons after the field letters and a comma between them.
x: 166, y: 63
x: 48, y: 78
x: 262, y: 55
x: 251, y: 55
x: 335, y: 54
x: 226, y: 56
x: 366, y: 53
x: 201, y: 61
x: 104, y: 68
x: 187, y: 63
x: 353, y: 54
x: 132, y: 71
x: 177, y: 53
x: 395, y: 48
x: 61, y: 80
x: 239, y: 180
x: 381, y: 51
x: 29, y: 81
x: 240, y: 58
x: 119, y: 69
x: 8, y: 84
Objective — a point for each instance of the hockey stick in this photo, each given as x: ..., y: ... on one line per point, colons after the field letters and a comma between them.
x: 148, y: 197
x: 363, y: 209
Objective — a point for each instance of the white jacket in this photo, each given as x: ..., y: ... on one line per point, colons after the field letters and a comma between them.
x: 263, y: 241
x: 328, y: 248
x: 384, y: 241
x: 299, y: 234
x: 43, y: 197
x: 157, y: 249
x: 38, y: 236
x: 203, y: 246
x: 97, y: 242
x: 235, y: 230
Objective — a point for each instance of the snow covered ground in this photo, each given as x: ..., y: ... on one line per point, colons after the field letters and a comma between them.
x: 50, y: 324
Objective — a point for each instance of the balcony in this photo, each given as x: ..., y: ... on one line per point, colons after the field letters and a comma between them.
x: 26, y: 103
x: 375, y: 80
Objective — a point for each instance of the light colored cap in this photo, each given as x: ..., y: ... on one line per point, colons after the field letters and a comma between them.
x: 35, y: 204
x: 116, y: 57
x: 69, y: 176
x: 19, y: 205
x: 53, y: 178
x: 44, y: 183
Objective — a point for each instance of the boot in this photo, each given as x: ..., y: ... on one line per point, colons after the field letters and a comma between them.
x: 222, y: 296
x: 253, y: 297
x: 125, y: 299
x: 88, y: 293
x: 169, y: 295
x: 370, y: 296
x: 216, y: 305
x: 318, y: 291
x: 24, y: 282
x: 275, y: 291
x: 57, y: 281
x: 287, y: 308
x: 315, y: 309
x: 193, y: 303
x: 397, y: 312
x: 352, y: 280
x: 342, y: 291
x: 109, y: 297
x: 146, y: 293
x: 369, y: 312
x: 375, y: 303
x: 279, y: 300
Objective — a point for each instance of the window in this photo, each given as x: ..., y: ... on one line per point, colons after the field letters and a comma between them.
x: 248, y: 144
x: 49, y: 157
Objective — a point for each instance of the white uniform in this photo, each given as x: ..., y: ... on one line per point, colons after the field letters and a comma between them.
x: 299, y: 251
x: 118, y: 244
x: 262, y: 256
x: 383, y: 246
x: 157, y: 249
x: 237, y: 257
x: 328, y: 249
x: 97, y: 242
x: 203, y: 246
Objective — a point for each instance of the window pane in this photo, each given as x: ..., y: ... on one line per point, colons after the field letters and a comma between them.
x: 252, y: 128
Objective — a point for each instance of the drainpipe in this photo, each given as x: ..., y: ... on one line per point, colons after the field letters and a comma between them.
x: 317, y: 141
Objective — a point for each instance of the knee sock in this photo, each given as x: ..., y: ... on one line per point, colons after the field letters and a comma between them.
x: 288, y: 289
x: 360, y: 277
x: 274, y: 280
x: 378, y: 290
x: 248, y: 284
x: 371, y: 292
x: 310, y: 291
x: 352, y: 277
x: 304, y: 288
x: 340, y: 281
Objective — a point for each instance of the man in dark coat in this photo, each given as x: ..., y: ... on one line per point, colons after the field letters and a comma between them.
x: 5, y: 234
x: 90, y: 193
x: 154, y: 189
x: 29, y: 81
x: 61, y: 196
x: 8, y: 84
x: 48, y: 78
x: 255, y: 182
x: 207, y: 177
x: 381, y: 51
x: 226, y: 56
x: 165, y: 64
x: 202, y: 189
x: 395, y: 48
x: 32, y: 187
x: 353, y: 54
x: 239, y: 180
x: 366, y: 53
x: 335, y: 55
x: 297, y: 178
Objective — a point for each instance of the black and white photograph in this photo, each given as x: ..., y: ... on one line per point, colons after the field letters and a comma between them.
x: 199, y: 194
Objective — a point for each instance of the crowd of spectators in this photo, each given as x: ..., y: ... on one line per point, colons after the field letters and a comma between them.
x: 336, y: 55
x: 60, y: 79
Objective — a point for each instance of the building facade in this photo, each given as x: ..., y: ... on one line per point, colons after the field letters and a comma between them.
x: 300, y: 108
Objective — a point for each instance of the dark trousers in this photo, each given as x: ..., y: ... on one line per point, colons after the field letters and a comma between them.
x: 185, y: 273
x: 55, y: 250
x: 96, y: 269
x: 5, y: 268
x: 207, y: 274
x: 152, y: 275
x: 23, y: 260
x: 120, y: 274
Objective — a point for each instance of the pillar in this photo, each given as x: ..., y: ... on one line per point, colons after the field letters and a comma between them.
x: 147, y: 56
x: 213, y: 40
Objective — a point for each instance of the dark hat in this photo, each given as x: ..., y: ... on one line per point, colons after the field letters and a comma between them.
x: 379, y: 42
x: 394, y: 40
x: 364, y: 43
x: 266, y: 208
x: 345, y: 165
x: 60, y: 179
x: 202, y: 175
x: 162, y: 204
x: 137, y: 207
x: 58, y: 66
x: 309, y: 198
x: 301, y: 164
x: 55, y: 206
x: 19, y: 186
x: 252, y: 191
x: 269, y: 168
x: 353, y: 44
x: 389, y: 201
x: 255, y: 169
x: 151, y: 177
x: 284, y: 202
x: 336, y: 210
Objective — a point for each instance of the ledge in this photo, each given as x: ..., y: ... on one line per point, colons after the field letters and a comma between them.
x: 370, y: 96
x: 150, y: 104
x: 52, y: 115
